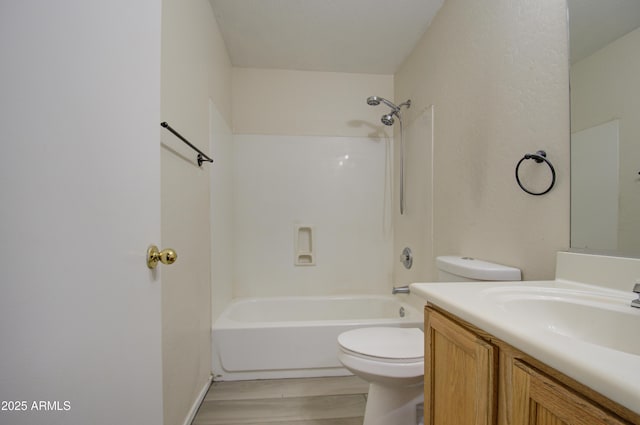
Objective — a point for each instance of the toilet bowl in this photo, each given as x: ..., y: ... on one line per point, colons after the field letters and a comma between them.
x: 392, y: 361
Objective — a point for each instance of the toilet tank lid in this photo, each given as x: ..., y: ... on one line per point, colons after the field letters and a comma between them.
x: 477, y: 269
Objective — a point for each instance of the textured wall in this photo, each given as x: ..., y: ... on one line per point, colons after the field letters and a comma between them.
x: 496, y: 74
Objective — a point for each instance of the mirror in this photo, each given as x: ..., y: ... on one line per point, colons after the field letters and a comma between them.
x: 605, y: 126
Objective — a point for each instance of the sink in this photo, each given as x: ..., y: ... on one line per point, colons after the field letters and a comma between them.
x: 596, y: 318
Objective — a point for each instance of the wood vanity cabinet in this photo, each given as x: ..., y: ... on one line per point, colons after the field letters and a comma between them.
x: 540, y: 400
x: 459, y: 374
x: 473, y: 378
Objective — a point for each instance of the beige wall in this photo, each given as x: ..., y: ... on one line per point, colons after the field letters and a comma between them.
x: 496, y: 74
x: 604, y: 87
x: 195, y: 68
x: 307, y: 103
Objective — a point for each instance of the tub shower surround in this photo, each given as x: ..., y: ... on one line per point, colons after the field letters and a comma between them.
x: 337, y: 187
x: 312, y: 222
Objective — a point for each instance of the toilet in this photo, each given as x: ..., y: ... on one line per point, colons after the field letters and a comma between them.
x: 391, y: 359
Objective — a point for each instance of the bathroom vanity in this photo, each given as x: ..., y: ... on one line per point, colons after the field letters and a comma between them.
x: 472, y: 377
x: 543, y: 353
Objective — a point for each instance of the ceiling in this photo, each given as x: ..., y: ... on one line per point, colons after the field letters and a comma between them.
x: 359, y: 36
x: 374, y: 36
x: 595, y: 23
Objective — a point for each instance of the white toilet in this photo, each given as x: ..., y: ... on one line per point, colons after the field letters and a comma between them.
x: 392, y: 359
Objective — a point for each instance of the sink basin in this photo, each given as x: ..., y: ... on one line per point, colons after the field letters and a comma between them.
x: 600, y: 319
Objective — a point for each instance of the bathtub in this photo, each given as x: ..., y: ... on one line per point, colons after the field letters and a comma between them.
x: 295, y: 337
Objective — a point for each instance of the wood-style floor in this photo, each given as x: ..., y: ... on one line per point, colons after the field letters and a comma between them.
x: 312, y: 401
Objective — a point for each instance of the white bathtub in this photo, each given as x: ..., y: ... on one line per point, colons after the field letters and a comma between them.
x: 293, y: 337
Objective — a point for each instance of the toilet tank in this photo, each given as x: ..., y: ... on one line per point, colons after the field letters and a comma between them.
x: 463, y: 269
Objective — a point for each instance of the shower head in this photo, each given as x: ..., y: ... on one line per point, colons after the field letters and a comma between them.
x: 387, y: 119
x: 375, y: 101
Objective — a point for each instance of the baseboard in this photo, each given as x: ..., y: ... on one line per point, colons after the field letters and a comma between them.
x: 196, y: 404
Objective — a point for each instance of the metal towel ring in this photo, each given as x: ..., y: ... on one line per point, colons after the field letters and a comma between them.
x: 539, y: 157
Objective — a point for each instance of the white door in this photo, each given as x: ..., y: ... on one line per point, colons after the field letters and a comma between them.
x: 595, y: 187
x: 79, y: 204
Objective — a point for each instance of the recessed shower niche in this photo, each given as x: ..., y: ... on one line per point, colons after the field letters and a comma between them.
x: 303, y: 246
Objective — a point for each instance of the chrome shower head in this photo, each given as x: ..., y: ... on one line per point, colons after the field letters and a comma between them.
x: 373, y: 101
x: 387, y: 119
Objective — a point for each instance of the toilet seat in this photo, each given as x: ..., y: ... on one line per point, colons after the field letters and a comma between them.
x: 384, y: 344
x: 383, y: 352
x: 392, y: 361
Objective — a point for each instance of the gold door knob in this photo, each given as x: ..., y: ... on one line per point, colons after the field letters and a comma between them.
x: 166, y: 256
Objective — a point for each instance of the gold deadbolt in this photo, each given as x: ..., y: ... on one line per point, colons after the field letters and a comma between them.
x: 166, y: 256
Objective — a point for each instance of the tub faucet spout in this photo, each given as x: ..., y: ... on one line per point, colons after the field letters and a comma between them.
x: 636, y: 289
x: 400, y: 290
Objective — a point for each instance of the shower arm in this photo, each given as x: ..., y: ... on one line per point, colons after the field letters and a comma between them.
x: 407, y: 104
x: 395, y: 108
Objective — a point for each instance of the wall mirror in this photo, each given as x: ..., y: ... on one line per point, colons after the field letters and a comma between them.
x: 605, y: 126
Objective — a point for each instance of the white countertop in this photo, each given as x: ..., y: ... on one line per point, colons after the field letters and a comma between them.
x: 612, y: 373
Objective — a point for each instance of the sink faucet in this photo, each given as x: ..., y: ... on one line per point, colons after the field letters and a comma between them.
x: 636, y: 289
x: 405, y: 290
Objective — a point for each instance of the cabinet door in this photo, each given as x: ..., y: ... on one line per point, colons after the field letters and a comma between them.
x: 539, y: 400
x: 459, y: 379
